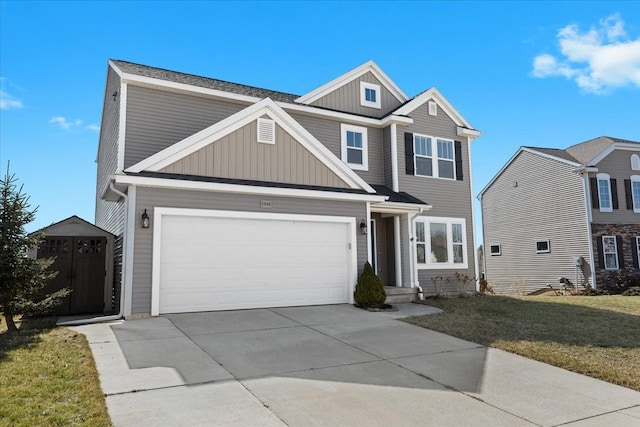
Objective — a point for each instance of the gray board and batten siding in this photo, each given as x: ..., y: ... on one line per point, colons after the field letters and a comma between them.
x: 239, y: 155
x: 450, y: 198
x: 149, y: 198
x: 347, y: 98
x: 535, y: 198
x: 618, y: 165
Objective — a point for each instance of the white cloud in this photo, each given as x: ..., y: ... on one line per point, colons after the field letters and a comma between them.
x: 93, y: 127
x: 8, y: 102
x: 598, y: 60
x: 64, y: 124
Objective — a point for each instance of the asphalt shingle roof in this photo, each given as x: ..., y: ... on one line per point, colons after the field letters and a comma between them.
x: 400, y: 197
x: 584, y: 152
x: 205, y: 82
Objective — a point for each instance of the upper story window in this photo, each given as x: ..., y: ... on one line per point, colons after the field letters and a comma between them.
x: 604, y: 192
x: 635, y: 192
x: 370, y: 95
x: 440, y: 242
x: 635, y: 162
x: 355, y: 150
x: 610, y: 252
x: 424, y: 164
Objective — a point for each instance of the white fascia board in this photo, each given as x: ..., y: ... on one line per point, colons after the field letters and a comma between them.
x: 442, y: 102
x: 399, y: 208
x: 115, y: 68
x: 338, y: 82
x: 232, y: 123
x: 469, y: 133
x: 615, y: 146
x: 142, y: 181
x: 399, y: 120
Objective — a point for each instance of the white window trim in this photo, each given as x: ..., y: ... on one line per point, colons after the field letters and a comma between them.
x: 635, y: 162
x: 344, y: 128
x: 636, y: 202
x: 604, y: 253
x: 363, y: 99
x: 499, y: 245
x: 604, y: 177
x: 428, y: 265
x: 434, y: 157
x: 432, y: 108
x: 548, y: 250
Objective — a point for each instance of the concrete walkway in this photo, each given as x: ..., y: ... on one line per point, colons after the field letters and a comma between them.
x: 332, y: 366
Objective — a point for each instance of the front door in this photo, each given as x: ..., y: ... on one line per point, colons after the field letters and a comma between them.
x: 80, y: 263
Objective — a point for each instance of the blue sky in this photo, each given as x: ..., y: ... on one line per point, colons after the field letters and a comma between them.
x: 548, y: 74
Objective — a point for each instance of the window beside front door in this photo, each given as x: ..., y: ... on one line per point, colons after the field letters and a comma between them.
x: 440, y: 243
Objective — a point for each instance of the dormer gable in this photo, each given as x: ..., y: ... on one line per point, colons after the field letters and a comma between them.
x: 365, y: 90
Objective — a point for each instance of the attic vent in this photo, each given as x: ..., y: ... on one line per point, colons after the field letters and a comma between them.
x: 433, y: 108
x: 266, y: 131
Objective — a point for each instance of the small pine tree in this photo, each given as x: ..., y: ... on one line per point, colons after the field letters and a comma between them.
x: 22, y: 279
x: 369, y: 291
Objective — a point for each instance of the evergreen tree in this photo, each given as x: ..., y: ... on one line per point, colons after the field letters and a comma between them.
x: 22, y: 279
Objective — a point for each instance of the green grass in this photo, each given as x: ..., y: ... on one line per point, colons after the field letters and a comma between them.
x: 595, y: 336
x: 48, y: 378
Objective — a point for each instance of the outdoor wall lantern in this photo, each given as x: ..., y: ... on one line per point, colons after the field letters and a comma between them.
x: 145, y: 219
x: 363, y: 227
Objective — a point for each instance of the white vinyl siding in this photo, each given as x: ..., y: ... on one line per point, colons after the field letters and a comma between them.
x: 610, y: 252
x: 355, y: 149
x: 604, y: 192
x: 440, y: 243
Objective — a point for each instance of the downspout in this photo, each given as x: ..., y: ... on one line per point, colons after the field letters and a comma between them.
x: 111, y: 317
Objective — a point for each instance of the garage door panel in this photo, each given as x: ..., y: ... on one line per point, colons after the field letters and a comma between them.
x: 220, y: 263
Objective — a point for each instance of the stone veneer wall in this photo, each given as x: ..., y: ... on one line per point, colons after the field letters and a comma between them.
x: 626, y: 232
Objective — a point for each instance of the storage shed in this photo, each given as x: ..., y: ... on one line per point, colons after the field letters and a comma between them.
x: 83, y: 256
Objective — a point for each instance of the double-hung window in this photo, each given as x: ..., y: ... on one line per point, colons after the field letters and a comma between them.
x: 440, y: 164
x: 355, y: 147
x: 440, y: 242
x: 446, y: 165
x: 604, y: 192
x: 423, y: 155
x: 610, y: 252
x: 635, y: 192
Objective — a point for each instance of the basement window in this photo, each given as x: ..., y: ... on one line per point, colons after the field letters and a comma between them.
x: 495, y: 249
x: 543, y: 246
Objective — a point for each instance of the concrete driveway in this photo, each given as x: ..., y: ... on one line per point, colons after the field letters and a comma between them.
x: 332, y: 366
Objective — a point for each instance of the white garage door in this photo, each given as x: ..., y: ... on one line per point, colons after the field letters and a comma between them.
x: 211, y: 263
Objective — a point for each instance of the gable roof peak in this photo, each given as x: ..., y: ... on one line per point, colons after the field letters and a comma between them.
x: 349, y: 76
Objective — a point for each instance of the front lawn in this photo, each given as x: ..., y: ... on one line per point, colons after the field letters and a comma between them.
x: 48, y: 378
x: 595, y: 336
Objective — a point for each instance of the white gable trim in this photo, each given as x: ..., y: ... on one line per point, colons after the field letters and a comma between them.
x: 528, y: 150
x: 433, y: 94
x: 338, y: 82
x: 615, y: 146
x: 219, y: 130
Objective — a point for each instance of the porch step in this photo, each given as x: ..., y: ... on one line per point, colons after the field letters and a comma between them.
x: 400, y: 295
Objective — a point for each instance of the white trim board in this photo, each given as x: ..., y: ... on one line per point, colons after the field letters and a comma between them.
x: 342, y: 80
x: 159, y: 212
x: 245, y: 189
x: 217, y: 131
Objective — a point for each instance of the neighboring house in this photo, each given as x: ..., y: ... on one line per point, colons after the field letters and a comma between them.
x: 225, y: 196
x: 573, y: 213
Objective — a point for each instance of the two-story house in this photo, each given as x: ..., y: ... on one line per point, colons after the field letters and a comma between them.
x: 225, y: 196
x: 573, y: 213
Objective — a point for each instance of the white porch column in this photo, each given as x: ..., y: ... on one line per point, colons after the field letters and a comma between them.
x: 394, y: 157
x: 397, y: 250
